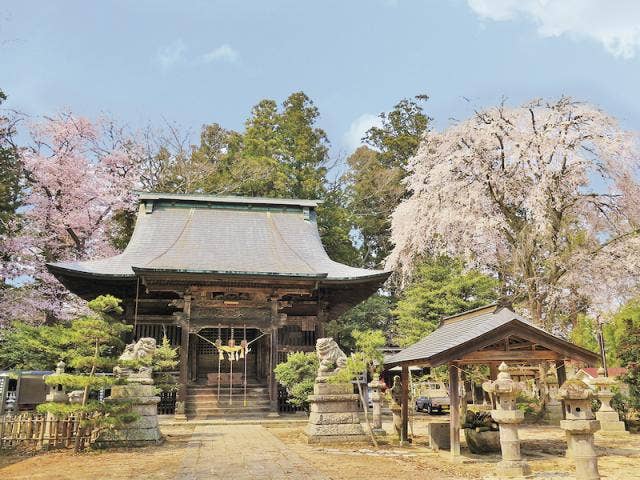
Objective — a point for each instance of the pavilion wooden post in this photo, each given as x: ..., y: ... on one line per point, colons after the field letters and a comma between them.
x: 273, y: 384
x: 454, y: 421
x: 181, y: 399
x: 404, y: 412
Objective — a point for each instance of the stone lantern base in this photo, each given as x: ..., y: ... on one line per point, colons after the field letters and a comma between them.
x: 144, y: 430
x: 334, y: 414
x: 610, y: 423
x: 512, y: 469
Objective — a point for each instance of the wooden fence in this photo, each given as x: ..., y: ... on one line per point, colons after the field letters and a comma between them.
x: 35, y: 431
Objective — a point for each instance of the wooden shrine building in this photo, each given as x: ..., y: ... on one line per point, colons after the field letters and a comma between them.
x: 216, y: 273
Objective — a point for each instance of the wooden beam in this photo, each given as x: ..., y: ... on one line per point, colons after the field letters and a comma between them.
x: 158, y: 319
x: 404, y: 432
x: 511, y: 355
x: 454, y: 417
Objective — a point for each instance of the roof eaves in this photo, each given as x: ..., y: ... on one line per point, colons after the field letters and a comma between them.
x: 143, y: 270
x: 202, y: 198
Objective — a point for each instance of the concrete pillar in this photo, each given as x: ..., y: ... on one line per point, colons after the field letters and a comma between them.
x: 580, y: 426
x: 508, y: 417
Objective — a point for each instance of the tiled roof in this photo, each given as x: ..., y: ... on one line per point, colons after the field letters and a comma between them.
x: 195, y: 234
x: 452, y: 334
x: 612, y: 371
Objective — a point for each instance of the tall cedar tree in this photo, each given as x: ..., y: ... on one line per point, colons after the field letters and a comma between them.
x: 376, y: 173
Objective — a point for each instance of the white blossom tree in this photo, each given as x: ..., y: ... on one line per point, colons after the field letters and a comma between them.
x: 545, y: 196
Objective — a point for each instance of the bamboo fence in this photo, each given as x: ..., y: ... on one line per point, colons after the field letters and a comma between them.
x: 43, y: 432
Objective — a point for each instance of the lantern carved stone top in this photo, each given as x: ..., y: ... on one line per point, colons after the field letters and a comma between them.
x: 577, y: 403
x: 603, y: 390
x: 506, y: 391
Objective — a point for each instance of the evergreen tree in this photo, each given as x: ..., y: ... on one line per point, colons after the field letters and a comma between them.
x: 440, y: 287
x: 376, y: 173
x: 297, y: 375
x: 93, y: 344
x: 372, y: 314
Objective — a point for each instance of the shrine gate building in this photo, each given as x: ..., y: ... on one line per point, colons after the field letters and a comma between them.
x: 237, y: 283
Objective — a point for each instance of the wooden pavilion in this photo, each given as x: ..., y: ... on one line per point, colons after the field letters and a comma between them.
x: 489, y: 336
x: 215, y: 272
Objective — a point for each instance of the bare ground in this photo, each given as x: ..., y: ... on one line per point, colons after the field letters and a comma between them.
x: 544, y: 447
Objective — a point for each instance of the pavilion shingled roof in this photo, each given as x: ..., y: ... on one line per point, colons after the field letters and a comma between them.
x: 476, y: 329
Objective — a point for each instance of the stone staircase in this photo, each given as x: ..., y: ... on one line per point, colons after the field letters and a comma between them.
x: 203, y: 402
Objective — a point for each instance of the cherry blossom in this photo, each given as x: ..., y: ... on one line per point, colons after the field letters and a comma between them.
x: 544, y: 196
x: 80, y: 173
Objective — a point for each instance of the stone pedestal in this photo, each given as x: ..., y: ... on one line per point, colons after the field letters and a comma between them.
x: 376, y: 402
x: 610, y: 423
x: 144, y: 430
x: 334, y: 415
x: 508, y: 417
x: 580, y: 427
x: 439, y: 436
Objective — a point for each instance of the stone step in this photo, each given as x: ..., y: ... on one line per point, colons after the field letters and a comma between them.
x: 200, y: 388
x: 227, y: 411
x: 225, y: 400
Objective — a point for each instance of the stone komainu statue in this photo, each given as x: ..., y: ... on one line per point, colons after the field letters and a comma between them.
x: 331, y: 357
x: 140, y: 349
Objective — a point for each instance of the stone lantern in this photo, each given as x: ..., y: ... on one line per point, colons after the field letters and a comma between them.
x: 376, y: 402
x: 580, y: 425
x: 56, y: 393
x: 552, y: 406
x: 609, y: 421
x: 508, y: 417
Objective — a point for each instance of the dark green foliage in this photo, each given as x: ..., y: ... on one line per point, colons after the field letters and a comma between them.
x: 402, y: 128
x: 440, y: 287
x: 368, y: 356
x: 372, y: 314
x: 11, y: 173
x: 297, y: 375
x: 25, y: 347
x: 375, y: 175
x: 165, y: 360
x: 629, y: 354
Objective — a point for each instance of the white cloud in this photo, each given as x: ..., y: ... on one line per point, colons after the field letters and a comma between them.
x: 224, y: 53
x: 168, y: 56
x: 353, y: 137
x: 614, y: 23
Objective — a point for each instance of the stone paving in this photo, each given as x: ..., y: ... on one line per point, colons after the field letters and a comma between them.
x: 241, y: 452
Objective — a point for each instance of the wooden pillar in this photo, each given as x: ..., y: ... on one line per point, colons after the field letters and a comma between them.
x: 273, y: 384
x: 404, y: 412
x: 454, y: 422
x: 181, y: 397
x: 463, y: 399
x: 193, y: 358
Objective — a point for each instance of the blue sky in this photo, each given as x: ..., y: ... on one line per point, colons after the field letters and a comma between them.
x: 196, y: 62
